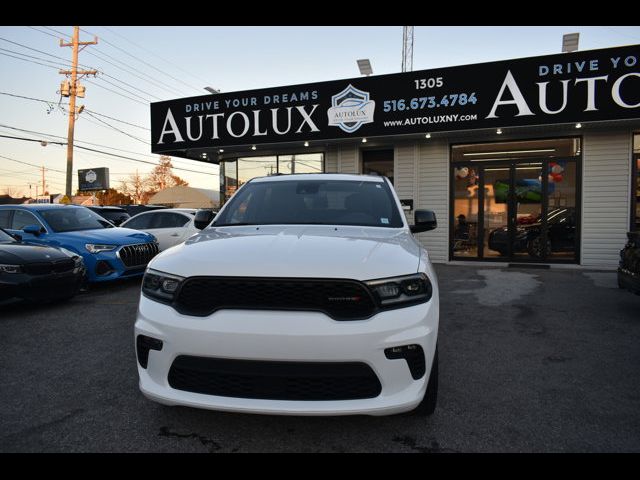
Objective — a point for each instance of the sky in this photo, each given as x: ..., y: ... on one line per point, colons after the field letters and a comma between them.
x: 143, y: 64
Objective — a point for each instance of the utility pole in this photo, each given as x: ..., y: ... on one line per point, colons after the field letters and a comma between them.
x: 407, y: 49
x: 72, y: 91
x: 43, y: 183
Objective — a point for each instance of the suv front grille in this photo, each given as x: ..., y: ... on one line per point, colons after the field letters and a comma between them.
x: 340, y: 299
x: 138, y: 255
x: 274, y: 380
x: 45, y: 268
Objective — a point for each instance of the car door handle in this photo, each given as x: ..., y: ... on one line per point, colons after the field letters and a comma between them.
x: 175, y: 235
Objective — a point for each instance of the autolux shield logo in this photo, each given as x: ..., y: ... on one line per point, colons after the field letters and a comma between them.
x: 350, y: 109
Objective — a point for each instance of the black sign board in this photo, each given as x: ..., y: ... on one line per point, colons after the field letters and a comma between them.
x: 582, y: 86
x: 93, y: 179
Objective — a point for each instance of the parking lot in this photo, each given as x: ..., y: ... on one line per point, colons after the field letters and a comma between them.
x: 531, y: 360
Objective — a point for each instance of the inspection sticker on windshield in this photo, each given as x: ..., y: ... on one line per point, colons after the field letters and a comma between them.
x: 384, y: 220
x: 378, y: 186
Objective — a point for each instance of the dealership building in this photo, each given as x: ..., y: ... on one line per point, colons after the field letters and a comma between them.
x: 531, y: 160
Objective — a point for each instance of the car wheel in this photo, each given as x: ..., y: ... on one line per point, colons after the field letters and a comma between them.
x: 428, y: 404
x: 537, y: 249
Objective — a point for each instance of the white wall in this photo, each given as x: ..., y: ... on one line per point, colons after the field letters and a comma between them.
x: 606, y: 196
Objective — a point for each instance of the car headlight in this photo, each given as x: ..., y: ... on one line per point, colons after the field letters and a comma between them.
x: 97, y: 248
x: 401, y: 291
x: 10, y: 268
x: 160, y: 286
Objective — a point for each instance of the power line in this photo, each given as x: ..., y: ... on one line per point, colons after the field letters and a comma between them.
x: 30, y: 61
x: 86, y: 109
x: 117, y: 129
x: 156, y: 55
x: 142, y: 61
x: 33, y: 132
x: 31, y: 56
x: 27, y: 163
x: 36, y: 50
x: 116, y: 119
x: 155, y: 82
x: 121, y: 88
x: 99, y: 151
x: 117, y: 93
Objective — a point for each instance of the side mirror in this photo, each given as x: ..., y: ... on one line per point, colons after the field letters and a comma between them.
x: 17, y: 236
x: 424, y: 220
x: 32, y: 229
x: 203, y: 218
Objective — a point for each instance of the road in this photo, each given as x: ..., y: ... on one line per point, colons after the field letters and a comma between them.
x: 530, y: 361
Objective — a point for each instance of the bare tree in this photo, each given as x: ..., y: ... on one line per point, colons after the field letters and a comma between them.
x: 136, y: 187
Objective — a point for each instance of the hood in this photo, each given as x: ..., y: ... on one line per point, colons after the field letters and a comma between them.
x: 294, y: 251
x: 110, y: 236
x: 23, y: 253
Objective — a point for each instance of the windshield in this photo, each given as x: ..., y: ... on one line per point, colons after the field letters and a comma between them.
x: 324, y: 202
x: 73, y: 219
x: 5, y: 237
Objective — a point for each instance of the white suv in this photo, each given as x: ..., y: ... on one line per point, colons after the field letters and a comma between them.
x: 307, y: 295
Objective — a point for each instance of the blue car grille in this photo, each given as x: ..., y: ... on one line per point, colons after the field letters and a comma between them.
x: 138, y: 255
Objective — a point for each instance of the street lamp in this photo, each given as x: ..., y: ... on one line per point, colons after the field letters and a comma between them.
x: 365, y: 67
x: 211, y: 90
x: 570, y: 42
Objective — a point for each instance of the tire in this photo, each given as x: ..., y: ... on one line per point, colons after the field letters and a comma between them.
x: 537, y: 250
x: 428, y: 404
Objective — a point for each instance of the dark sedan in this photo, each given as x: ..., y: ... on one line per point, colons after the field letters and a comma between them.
x: 115, y: 215
x: 37, y: 272
x: 561, y: 235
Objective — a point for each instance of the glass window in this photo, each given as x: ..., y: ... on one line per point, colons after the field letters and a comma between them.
x: 140, y: 222
x: 6, y: 238
x: 635, y: 185
x: 252, y: 167
x: 4, y: 218
x: 326, y: 202
x: 237, y: 172
x: 302, y: 163
x: 72, y: 219
x: 168, y: 220
x: 22, y: 218
x: 229, y: 172
x: 378, y: 162
x: 465, y: 212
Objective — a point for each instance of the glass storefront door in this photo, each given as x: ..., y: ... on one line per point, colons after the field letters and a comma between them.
x: 510, y: 211
x: 516, y: 200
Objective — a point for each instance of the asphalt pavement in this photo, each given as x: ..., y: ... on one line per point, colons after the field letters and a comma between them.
x: 530, y: 361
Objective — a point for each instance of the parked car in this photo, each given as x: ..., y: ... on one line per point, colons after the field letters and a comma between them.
x: 115, y: 215
x: 307, y: 295
x: 36, y: 272
x: 136, y: 209
x: 170, y: 226
x: 108, y: 252
x: 629, y: 268
x: 561, y: 235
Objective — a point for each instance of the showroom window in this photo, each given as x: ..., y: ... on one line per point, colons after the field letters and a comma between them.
x: 635, y: 185
x: 235, y: 173
x: 515, y: 201
x: 378, y: 162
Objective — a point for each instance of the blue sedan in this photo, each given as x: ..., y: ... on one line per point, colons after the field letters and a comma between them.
x: 109, y: 252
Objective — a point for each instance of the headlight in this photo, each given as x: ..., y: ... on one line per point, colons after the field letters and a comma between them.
x: 160, y: 286
x: 68, y: 252
x: 97, y: 248
x: 10, y: 268
x: 401, y: 291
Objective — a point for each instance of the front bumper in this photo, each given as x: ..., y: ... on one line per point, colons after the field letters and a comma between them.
x: 285, y: 336
x: 37, y: 288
